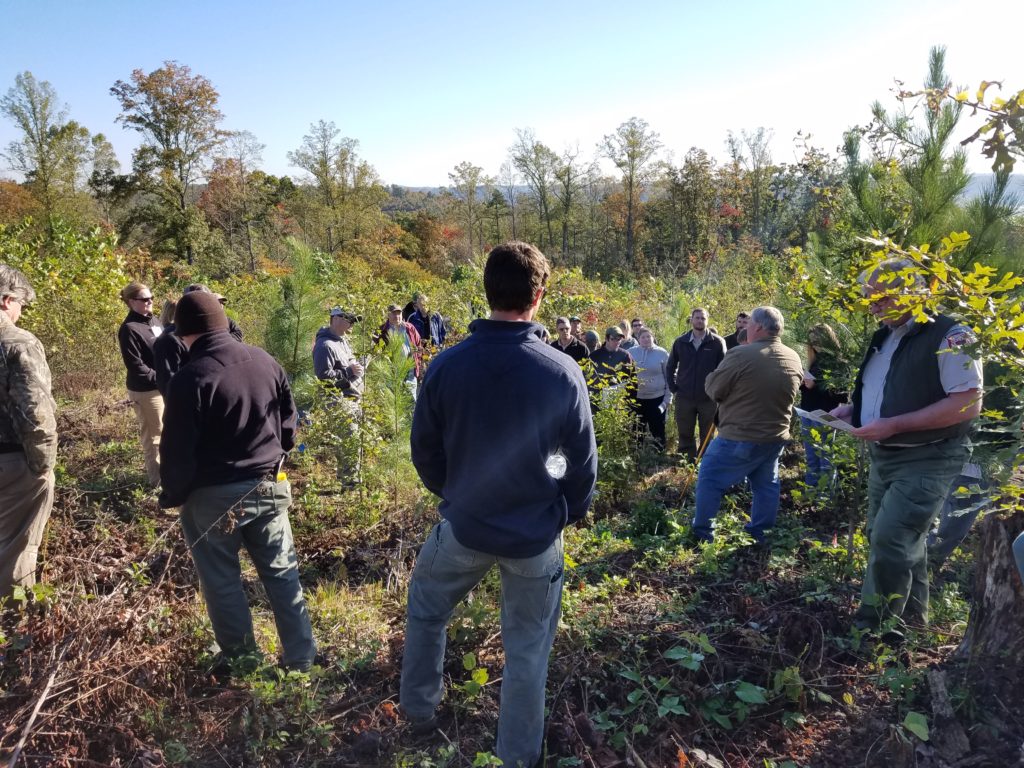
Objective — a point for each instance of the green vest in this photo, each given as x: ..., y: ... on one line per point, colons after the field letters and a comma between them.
x: 913, y: 381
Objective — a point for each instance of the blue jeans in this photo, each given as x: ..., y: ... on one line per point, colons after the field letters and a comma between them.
x: 217, y: 521
x: 531, y: 599
x: 956, y: 518
x: 1018, y: 554
x: 817, y: 453
x: 727, y: 462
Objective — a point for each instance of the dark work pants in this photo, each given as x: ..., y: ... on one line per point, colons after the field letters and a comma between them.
x: 652, y: 417
x: 906, y: 490
x: 688, y: 413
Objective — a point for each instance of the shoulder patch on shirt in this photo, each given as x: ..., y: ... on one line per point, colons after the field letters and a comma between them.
x: 960, y: 336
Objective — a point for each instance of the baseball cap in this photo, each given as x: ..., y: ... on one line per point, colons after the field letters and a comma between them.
x: 393, y: 308
x: 203, y: 288
x: 350, y: 316
x: 614, y: 331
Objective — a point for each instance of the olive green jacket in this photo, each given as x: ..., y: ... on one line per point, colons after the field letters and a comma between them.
x: 755, y: 387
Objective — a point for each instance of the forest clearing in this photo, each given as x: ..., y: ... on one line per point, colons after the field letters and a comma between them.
x: 670, y: 652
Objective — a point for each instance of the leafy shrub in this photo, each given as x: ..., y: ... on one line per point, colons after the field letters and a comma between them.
x: 77, y: 277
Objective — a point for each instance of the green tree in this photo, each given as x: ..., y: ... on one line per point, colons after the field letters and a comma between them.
x: 683, y: 219
x: 910, y: 186
x: 632, y: 148
x: 568, y: 174
x: 495, y: 209
x: 466, y: 181
x: 345, y: 195
x: 537, y: 162
x: 52, y: 151
x: 176, y: 114
x: 295, y: 318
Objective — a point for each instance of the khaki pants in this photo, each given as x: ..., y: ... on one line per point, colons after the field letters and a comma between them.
x: 25, y: 502
x: 149, y: 412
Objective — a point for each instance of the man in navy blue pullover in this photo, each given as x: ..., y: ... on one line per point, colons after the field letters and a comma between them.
x: 502, y: 433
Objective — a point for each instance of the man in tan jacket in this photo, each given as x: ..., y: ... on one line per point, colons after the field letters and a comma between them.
x: 755, y: 387
x: 28, y: 438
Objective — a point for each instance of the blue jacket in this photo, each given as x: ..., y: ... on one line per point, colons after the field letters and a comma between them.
x: 430, y: 328
x: 491, y: 411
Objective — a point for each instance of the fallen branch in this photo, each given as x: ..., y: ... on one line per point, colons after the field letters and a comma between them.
x: 36, y: 709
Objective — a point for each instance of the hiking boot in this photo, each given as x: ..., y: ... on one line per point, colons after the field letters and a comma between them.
x: 422, y: 726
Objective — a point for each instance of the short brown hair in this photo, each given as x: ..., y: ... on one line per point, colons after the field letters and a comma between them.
x: 514, y: 272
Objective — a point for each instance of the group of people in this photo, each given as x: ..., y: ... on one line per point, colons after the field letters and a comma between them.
x: 503, y: 434
x: 416, y: 328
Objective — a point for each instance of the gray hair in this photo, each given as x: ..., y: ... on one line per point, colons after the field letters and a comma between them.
x: 892, y: 268
x: 768, y: 318
x: 14, y: 284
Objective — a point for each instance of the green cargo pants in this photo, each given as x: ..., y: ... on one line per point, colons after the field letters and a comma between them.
x: 219, y: 520
x: 906, y: 490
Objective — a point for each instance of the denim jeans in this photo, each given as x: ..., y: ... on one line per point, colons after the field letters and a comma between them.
x: 1018, y: 554
x: 217, y: 521
x: 817, y: 452
x: 957, y: 515
x: 531, y: 598
x: 727, y: 462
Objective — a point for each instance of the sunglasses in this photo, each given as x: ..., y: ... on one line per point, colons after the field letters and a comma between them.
x: 146, y: 299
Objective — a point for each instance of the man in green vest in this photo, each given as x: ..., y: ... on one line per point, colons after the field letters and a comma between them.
x: 915, y: 396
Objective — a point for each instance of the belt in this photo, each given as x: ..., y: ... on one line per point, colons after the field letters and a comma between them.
x: 905, y: 447
x: 11, y: 448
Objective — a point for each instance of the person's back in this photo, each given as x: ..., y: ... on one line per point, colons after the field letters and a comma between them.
x: 241, y: 390
x: 502, y: 433
x: 230, y: 421
x: 755, y: 387
x: 495, y: 489
x: 764, y: 380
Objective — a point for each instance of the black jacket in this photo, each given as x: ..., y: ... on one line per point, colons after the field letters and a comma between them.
x: 228, y: 416
x: 688, y: 367
x: 136, y: 337
x: 577, y: 350
x: 829, y: 380
x: 170, y: 354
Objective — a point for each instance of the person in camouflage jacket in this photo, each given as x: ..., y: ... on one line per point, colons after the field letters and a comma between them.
x: 28, y: 438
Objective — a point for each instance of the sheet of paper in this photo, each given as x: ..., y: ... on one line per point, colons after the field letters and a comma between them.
x: 824, y: 417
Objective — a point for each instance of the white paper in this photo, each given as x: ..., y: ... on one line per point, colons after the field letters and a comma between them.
x: 824, y: 417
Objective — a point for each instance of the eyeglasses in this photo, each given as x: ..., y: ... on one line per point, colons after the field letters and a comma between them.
x: 146, y: 299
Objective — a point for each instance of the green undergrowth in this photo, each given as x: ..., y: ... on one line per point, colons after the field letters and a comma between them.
x: 664, y: 645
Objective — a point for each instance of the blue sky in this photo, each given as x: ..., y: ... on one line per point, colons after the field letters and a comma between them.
x: 424, y: 86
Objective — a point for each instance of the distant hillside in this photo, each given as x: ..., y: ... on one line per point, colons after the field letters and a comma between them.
x: 982, y: 181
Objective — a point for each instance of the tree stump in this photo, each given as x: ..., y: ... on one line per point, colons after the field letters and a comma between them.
x: 995, y: 628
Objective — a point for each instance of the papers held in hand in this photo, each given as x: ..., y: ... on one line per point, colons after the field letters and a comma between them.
x: 824, y: 417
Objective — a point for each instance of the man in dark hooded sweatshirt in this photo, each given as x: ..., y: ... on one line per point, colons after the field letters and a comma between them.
x: 169, y: 352
x: 229, y: 420
x: 502, y: 433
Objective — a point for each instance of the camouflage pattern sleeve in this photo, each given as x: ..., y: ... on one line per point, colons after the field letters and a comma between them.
x: 32, y: 407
